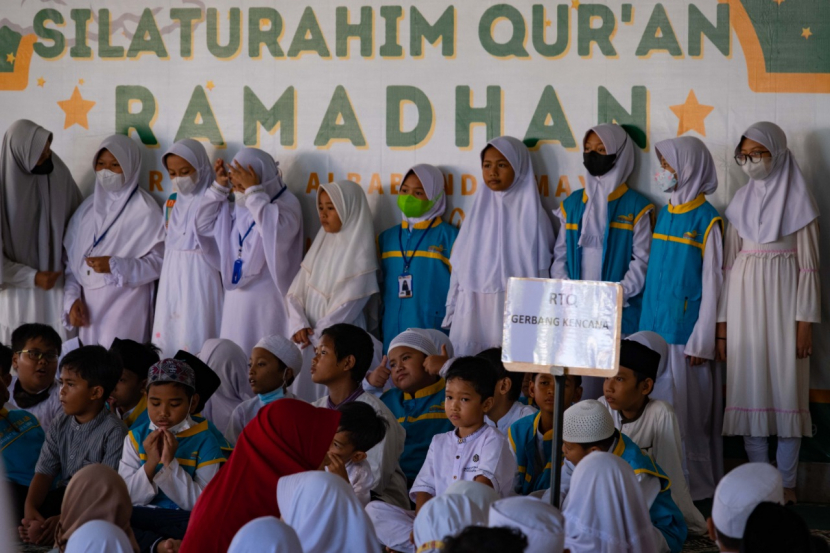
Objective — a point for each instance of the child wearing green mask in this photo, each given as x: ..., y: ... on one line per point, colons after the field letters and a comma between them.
x: 415, y: 256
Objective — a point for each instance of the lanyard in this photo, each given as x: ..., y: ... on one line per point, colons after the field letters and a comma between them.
x: 407, y: 261
x: 250, y: 228
x: 96, y: 241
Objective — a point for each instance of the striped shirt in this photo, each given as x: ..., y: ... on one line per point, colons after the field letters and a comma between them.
x: 70, y: 446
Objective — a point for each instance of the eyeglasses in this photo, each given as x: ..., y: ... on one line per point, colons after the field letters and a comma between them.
x: 36, y: 355
x: 754, y: 157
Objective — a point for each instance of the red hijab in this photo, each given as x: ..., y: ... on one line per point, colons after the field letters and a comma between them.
x: 286, y: 437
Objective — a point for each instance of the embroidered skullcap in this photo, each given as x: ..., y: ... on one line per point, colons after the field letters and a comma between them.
x: 171, y: 370
x: 417, y: 339
x: 587, y: 422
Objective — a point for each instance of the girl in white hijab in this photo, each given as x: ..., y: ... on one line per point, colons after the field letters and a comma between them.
x: 680, y: 302
x: 445, y: 516
x: 190, y: 282
x: 606, y: 228
x: 258, y: 239
x: 337, y: 277
x: 266, y: 535
x: 506, y: 234
x: 114, y: 246
x: 99, y: 536
x: 605, y: 511
x: 540, y: 522
x: 769, y: 302
x: 37, y: 198
x: 326, y: 514
x: 231, y: 365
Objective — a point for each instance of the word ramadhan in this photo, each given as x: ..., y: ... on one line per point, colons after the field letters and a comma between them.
x: 556, y: 321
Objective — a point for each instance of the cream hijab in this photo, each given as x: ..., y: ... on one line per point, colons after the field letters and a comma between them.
x: 693, y: 164
x: 783, y: 198
x: 342, y: 266
x: 181, y: 228
x: 432, y: 179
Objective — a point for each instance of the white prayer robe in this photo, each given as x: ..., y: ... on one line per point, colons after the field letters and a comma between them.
x: 516, y: 412
x: 361, y: 479
x: 245, y: 413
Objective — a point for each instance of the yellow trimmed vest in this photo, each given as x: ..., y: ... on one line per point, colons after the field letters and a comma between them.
x: 531, y: 476
x: 674, y: 281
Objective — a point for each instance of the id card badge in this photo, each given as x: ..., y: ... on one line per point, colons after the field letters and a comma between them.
x: 405, y: 286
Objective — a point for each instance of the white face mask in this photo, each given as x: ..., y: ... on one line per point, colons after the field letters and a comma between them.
x: 758, y: 171
x: 109, y: 181
x: 185, y: 185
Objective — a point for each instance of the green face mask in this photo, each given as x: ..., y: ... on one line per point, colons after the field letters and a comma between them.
x: 413, y: 207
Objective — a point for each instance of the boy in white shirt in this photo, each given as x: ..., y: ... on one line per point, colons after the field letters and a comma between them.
x: 473, y: 451
x: 507, y: 408
x: 361, y: 428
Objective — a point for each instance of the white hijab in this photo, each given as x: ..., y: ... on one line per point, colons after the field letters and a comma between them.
x: 693, y: 164
x: 505, y: 234
x: 99, y: 536
x: 654, y: 342
x: 445, y: 516
x: 181, y: 228
x: 480, y: 494
x: 539, y: 521
x: 605, y: 511
x: 133, y: 234
x: 326, y: 514
x: 783, y: 197
x: 595, y: 219
x: 34, y: 209
x: 266, y: 535
x: 230, y: 363
x: 341, y: 266
x: 432, y: 179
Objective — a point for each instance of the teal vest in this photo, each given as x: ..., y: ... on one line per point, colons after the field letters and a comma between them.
x: 21, y: 439
x: 531, y: 476
x: 625, y: 209
x: 198, y: 447
x: 664, y: 512
x: 671, y: 301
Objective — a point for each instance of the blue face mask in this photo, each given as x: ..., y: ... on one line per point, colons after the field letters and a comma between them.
x: 272, y: 396
x: 665, y: 180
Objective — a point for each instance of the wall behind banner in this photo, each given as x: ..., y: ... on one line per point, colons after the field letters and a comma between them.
x: 364, y: 90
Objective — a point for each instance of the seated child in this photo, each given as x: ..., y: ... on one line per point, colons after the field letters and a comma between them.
x: 36, y: 348
x: 360, y: 429
x: 531, y: 437
x: 417, y: 400
x: 129, y: 399
x: 589, y: 427
x: 21, y: 439
x: 207, y: 382
x: 164, y: 486
x: 473, y: 451
x: 343, y: 355
x: 651, y: 424
x: 275, y: 361
x: 86, y: 433
x: 506, y: 406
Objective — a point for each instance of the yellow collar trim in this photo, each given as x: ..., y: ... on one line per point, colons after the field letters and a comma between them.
x: 548, y: 436
x: 139, y: 408
x: 193, y: 430
x: 620, y: 449
x: 615, y: 195
x: 423, y: 224
x: 428, y: 391
x: 688, y: 206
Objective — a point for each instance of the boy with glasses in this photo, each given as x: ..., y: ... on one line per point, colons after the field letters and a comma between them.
x: 36, y: 348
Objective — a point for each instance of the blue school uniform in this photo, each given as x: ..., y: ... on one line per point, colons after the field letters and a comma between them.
x: 674, y: 281
x: 427, y: 246
x: 664, y: 513
x: 139, y: 415
x: 531, y: 476
x: 224, y: 444
x: 625, y: 209
x: 422, y: 415
x: 21, y: 439
x: 198, y: 447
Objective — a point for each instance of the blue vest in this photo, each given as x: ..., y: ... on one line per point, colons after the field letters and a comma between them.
x: 671, y: 301
x: 197, y: 448
x: 664, y: 513
x: 422, y: 416
x: 21, y: 439
x: 625, y: 209
x: 430, y: 269
x: 522, y: 437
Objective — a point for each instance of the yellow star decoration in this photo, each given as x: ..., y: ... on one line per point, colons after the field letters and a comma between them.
x: 575, y: 4
x: 76, y: 110
x: 41, y: 81
x: 779, y: 2
x: 80, y: 81
x: 10, y: 58
x: 806, y: 33
x: 210, y: 85
x: 691, y: 115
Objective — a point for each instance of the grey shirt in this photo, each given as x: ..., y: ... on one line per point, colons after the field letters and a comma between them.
x: 70, y: 446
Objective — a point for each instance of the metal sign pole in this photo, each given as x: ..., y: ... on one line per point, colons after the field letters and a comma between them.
x: 556, y: 452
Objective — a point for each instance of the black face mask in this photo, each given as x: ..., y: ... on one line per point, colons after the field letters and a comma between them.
x: 44, y: 168
x: 598, y: 164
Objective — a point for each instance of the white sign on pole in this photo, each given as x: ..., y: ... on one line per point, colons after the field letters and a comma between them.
x: 552, y: 324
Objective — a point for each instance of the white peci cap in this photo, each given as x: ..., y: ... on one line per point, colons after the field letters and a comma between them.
x: 740, y: 491
x: 283, y: 349
x: 417, y: 339
x: 587, y: 422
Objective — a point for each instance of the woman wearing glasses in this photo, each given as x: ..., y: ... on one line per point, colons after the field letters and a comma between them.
x: 770, y: 298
